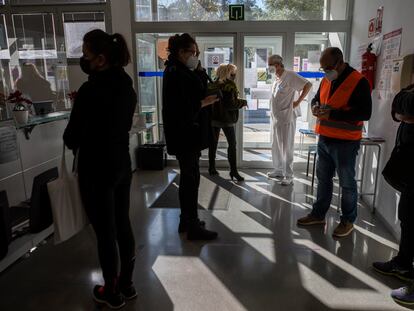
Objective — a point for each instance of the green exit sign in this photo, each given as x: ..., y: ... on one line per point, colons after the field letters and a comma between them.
x: 236, y: 12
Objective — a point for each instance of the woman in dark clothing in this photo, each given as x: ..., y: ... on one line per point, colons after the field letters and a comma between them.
x: 401, y: 266
x: 187, y: 126
x: 99, y: 129
x: 225, y: 116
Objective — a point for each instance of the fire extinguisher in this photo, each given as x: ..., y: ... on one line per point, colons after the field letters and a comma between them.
x: 369, y: 64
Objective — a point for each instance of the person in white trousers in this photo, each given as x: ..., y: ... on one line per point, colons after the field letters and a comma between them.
x: 284, y: 111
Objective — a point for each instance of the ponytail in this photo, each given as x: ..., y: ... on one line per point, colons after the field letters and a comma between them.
x: 113, y: 47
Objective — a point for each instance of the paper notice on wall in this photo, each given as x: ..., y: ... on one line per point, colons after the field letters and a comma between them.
x: 357, y: 63
x: 8, y: 144
x: 252, y: 104
x: 390, y: 50
x: 213, y: 60
x: 305, y: 63
x: 250, y: 78
x: 296, y: 63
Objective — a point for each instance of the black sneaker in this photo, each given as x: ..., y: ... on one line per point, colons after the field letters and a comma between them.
x: 129, y: 292
x: 112, y: 300
x: 200, y: 233
x: 392, y: 268
x: 183, y: 226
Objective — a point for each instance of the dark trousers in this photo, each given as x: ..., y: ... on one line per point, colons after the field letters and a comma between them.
x: 339, y: 156
x: 406, y: 216
x: 189, y: 184
x: 230, y: 134
x: 107, y: 205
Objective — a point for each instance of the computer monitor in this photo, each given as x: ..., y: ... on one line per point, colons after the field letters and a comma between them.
x: 40, y: 209
x: 43, y: 107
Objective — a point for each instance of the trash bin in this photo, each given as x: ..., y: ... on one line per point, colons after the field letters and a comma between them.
x: 151, y: 156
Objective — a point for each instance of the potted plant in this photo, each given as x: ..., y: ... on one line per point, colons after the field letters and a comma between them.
x: 21, y: 106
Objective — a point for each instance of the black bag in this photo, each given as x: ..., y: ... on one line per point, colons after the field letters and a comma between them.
x: 396, y: 172
x: 151, y: 157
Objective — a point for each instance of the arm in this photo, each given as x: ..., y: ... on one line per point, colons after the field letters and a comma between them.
x: 360, y: 105
x: 231, y: 99
x: 73, y: 131
x: 303, y: 94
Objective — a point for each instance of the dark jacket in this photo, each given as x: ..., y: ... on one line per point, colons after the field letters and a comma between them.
x: 360, y: 102
x: 186, y: 125
x: 403, y: 104
x: 100, y: 122
x: 226, y: 112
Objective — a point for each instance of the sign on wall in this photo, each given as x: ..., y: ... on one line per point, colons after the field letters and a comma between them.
x: 214, y: 60
x: 236, y: 12
x: 371, y: 28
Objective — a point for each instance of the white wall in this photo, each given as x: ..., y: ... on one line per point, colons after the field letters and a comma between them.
x: 397, y: 14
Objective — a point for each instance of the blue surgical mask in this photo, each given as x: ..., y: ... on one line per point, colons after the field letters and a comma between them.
x: 331, y: 75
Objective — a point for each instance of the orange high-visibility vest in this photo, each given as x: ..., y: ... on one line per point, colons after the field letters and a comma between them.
x: 346, y: 130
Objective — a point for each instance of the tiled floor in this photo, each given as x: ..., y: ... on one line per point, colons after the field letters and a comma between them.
x: 261, y: 261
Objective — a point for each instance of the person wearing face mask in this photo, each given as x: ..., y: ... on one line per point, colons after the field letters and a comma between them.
x: 225, y: 115
x: 284, y: 111
x: 187, y: 129
x: 98, y: 130
x: 341, y: 104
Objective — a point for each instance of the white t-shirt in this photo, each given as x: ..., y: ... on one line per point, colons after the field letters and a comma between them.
x: 284, y: 90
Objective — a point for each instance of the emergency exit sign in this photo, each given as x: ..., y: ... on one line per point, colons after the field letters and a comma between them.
x: 236, y: 12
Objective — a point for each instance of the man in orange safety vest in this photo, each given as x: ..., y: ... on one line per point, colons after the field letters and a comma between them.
x: 341, y: 104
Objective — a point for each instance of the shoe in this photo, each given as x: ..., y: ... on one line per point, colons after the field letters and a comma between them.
x: 275, y: 175
x: 404, y: 295
x: 213, y: 172
x: 310, y: 221
x: 113, y: 300
x: 129, y: 292
x: 392, y: 268
x: 343, y: 229
x: 197, y: 232
x: 287, y: 181
x: 236, y: 175
x: 183, y: 226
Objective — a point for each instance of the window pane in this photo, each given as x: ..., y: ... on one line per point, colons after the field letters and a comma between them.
x: 76, y: 25
x: 4, y: 47
x: 35, y: 35
x: 15, y: 2
x: 217, y: 10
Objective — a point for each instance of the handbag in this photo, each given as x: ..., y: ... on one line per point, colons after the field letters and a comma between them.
x: 69, y: 216
x: 395, y: 171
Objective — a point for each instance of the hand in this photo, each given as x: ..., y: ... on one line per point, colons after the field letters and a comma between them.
x: 323, y: 113
x: 315, y: 110
x: 404, y: 118
x: 209, y: 100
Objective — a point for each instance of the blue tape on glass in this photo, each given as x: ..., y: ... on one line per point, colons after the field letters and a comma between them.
x: 151, y: 74
x: 311, y: 74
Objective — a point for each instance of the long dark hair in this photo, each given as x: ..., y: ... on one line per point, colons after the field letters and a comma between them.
x: 177, y: 43
x: 113, y: 47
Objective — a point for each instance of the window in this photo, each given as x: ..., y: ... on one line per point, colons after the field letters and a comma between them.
x: 76, y: 25
x: 217, y: 10
x: 35, y: 35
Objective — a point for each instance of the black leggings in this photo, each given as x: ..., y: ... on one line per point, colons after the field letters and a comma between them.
x: 406, y: 215
x: 230, y: 133
x: 107, y: 206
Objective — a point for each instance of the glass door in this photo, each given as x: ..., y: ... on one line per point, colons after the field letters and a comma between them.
x: 257, y: 83
x: 214, y: 51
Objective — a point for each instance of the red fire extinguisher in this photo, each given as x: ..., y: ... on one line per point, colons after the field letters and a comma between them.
x: 369, y: 64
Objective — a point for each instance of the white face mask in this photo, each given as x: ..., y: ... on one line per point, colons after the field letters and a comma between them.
x: 331, y: 75
x: 272, y: 70
x: 192, y: 62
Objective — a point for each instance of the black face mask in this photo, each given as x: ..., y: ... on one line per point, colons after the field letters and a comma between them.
x: 85, y: 65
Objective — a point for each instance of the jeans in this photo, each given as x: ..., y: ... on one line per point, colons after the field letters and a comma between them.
x: 230, y: 133
x: 189, y: 184
x: 405, y: 255
x: 106, y: 203
x: 339, y: 156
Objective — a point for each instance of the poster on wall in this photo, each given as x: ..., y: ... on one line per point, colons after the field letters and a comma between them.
x: 296, y: 63
x: 305, y: 62
x: 390, y: 50
x: 8, y: 145
x: 378, y: 26
x: 371, y: 28
x: 261, y: 58
x: 214, y: 60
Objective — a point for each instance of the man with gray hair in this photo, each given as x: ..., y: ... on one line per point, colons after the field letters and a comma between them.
x: 284, y: 105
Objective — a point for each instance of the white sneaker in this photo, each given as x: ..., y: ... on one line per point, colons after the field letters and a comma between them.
x: 287, y: 181
x: 274, y: 174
